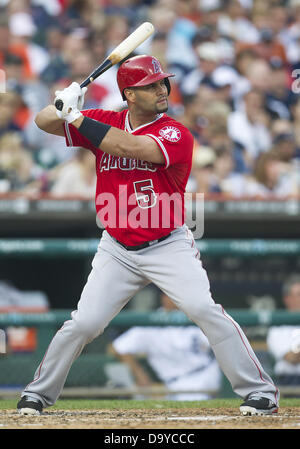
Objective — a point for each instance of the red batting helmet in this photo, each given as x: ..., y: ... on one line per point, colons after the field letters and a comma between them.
x: 140, y: 71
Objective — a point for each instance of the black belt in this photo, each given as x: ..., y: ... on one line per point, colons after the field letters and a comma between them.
x: 143, y: 245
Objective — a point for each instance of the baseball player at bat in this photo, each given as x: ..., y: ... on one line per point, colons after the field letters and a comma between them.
x: 142, y: 156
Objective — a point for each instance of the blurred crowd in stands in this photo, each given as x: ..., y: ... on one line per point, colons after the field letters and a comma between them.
x: 237, y: 84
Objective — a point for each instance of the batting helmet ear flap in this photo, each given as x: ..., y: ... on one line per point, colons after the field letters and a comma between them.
x: 168, y: 84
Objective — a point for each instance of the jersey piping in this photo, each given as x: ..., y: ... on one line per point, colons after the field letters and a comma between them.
x: 130, y: 130
x: 162, y: 147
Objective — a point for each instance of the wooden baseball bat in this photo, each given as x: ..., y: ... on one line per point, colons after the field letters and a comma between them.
x: 129, y: 44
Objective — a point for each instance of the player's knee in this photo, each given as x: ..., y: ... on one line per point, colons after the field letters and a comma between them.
x: 89, y: 330
x: 197, y: 309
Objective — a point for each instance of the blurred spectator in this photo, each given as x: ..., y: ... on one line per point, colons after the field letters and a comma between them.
x: 126, y: 8
x: 202, y: 170
x: 58, y: 66
x: 48, y: 149
x: 279, y: 96
x: 35, y: 95
x: 215, y: 134
x: 259, y: 74
x: 14, y: 300
x: 116, y: 30
x: 7, y: 46
x: 284, y: 341
x: 284, y: 144
x: 295, y: 129
x: 10, y: 103
x: 78, y: 56
x: 289, y: 35
x: 22, y: 29
x: 103, y: 92
x: 266, y: 45
x: 271, y: 178
x: 228, y: 55
x: 279, y: 18
x: 217, y: 113
x: 249, y: 127
x: 221, y: 140
x: 234, y: 23
x: 17, y: 166
x: 54, y: 37
x: 180, y: 356
x: 243, y: 59
x: 212, y: 11
x: 223, y: 170
x: 77, y: 177
x: 193, y: 115
x: 213, y: 171
x: 240, y: 83
x: 209, y: 59
x: 180, y: 30
x: 223, y: 80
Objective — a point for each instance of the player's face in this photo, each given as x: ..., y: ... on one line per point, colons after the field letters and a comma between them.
x: 292, y: 300
x: 152, y: 98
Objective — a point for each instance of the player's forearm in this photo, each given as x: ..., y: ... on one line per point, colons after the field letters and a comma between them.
x: 48, y: 121
x: 292, y: 357
x: 117, y: 142
x: 141, y: 376
x: 123, y: 144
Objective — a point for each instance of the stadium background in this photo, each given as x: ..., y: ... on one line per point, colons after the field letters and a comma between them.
x: 246, y: 160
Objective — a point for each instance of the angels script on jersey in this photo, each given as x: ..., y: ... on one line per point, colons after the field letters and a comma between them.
x: 109, y: 162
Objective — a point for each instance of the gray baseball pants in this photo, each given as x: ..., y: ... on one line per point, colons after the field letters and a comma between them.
x: 175, y: 267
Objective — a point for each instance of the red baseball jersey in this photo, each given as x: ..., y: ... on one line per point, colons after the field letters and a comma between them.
x: 139, y: 201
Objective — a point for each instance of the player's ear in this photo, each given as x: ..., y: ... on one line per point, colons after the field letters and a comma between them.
x: 129, y: 94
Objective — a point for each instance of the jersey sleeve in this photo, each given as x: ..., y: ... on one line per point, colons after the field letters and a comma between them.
x: 175, y: 142
x: 73, y: 136
x: 133, y: 341
x: 279, y: 341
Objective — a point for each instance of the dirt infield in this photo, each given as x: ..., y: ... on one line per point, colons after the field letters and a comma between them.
x: 189, y: 418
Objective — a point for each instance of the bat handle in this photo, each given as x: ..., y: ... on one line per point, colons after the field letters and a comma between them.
x: 86, y: 82
x: 59, y: 105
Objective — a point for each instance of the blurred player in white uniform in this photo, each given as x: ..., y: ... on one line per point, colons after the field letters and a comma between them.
x: 165, y: 348
x: 284, y: 341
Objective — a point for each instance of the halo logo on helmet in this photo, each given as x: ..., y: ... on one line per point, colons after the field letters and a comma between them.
x: 140, y: 71
x: 156, y: 66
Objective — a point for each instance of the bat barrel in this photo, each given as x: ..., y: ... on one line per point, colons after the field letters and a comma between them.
x: 121, y: 51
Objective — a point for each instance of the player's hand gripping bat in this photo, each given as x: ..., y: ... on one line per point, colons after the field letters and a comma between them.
x: 129, y: 44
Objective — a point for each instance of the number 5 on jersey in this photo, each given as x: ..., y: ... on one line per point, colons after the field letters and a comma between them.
x: 144, y: 192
